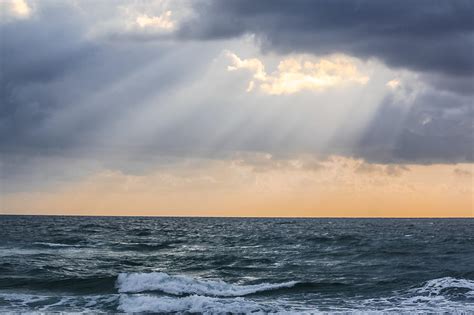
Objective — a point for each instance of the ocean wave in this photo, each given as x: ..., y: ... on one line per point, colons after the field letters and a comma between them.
x: 444, y: 285
x: 54, y: 245
x: 415, y: 305
x: 178, y: 285
x: 56, y: 303
x: 440, y: 295
x: 191, y: 304
x: 432, y: 297
x: 142, y: 246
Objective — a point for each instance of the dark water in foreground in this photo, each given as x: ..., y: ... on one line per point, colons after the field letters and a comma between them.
x: 235, y: 265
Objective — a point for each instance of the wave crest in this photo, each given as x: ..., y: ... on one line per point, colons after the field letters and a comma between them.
x: 179, y: 285
x: 440, y: 285
x: 191, y: 304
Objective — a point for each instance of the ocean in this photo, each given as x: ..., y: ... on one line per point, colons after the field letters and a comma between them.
x: 235, y: 265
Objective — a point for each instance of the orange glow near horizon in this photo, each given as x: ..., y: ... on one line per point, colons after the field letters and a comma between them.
x: 337, y: 187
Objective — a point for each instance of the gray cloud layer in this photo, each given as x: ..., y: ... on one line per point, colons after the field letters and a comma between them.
x: 433, y: 36
x: 60, y: 88
x: 437, y: 128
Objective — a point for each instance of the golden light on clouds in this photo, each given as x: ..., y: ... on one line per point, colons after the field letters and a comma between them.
x: 21, y: 8
x: 393, y: 84
x: 300, y: 73
x: 136, y: 19
x: 161, y: 22
x: 262, y: 185
x: 15, y: 8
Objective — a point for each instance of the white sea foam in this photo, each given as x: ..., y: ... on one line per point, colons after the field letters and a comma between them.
x: 442, y: 295
x: 416, y: 305
x: 178, y: 285
x: 437, y: 286
x: 193, y: 304
x: 31, y: 303
x: 433, y: 297
x: 6, y: 251
x: 55, y: 244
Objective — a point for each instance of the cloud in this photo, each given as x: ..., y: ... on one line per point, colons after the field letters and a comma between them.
x: 73, y: 93
x: 463, y: 172
x: 222, y: 187
x: 63, y: 93
x: 19, y: 9
x: 300, y: 73
x: 137, y: 21
x: 388, y: 170
x: 393, y: 84
x: 261, y: 162
x: 426, y: 126
x: 421, y: 36
x: 161, y: 22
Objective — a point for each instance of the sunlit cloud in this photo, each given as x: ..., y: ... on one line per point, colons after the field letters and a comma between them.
x: 464, y: 172
x: 260, y: 184
x: 134, y: 20
x: 15, y: 8
x: 21, y: 8
x: 393, y: 84
x: 101, y: 91
x: 299, y: 73
x: 387, y: 170
x: 160, y: 22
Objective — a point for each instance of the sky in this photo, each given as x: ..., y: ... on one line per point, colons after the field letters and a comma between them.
x: 307, y: 108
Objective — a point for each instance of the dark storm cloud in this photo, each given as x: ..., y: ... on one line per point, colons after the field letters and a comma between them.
x: 60, y: 86
x: 432, y: 36
x: 68, y: 96
x: 437, y: 127
x: 34, y: 54
x: 51, y: 68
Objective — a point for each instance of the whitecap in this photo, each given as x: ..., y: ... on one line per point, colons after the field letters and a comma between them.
x: 55, y: 244
x: 180, y: 284
x: 438, y: 285
x: 434, y: 296
x: 193, y: 304
x: 33, y: 303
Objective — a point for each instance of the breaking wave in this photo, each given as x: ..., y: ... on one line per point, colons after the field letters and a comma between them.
x: 161, y: 293
x: 191, y: 304
x: 440, y: 295
x: 205, y: 296
x: 446, y: 285
x: 33, y: 303
x: 110, y: 265
x: 179, y: 285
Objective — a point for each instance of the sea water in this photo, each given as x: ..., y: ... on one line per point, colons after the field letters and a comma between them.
x: 219, y: 265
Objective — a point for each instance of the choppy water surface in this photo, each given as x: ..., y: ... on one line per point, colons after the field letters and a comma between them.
x: 114, y: 264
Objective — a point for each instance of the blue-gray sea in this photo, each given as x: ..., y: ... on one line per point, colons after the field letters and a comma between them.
x: 235, y: 265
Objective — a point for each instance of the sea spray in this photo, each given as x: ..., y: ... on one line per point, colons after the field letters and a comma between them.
x: 180, y: 284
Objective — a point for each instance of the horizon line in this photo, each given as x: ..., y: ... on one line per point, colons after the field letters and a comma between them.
x: 234, y: 217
